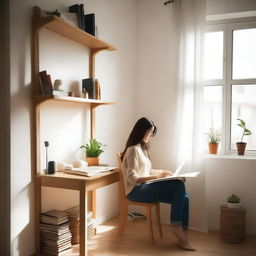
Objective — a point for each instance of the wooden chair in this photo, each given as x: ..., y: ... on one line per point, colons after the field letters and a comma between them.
x: 123, y: 206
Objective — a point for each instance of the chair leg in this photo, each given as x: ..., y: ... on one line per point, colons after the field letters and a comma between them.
x: 122, y: 218
x: 149, y: 219
x: 157, y: 209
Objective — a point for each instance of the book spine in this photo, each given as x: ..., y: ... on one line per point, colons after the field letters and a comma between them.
x: 89, y: 21
x: 44, y: 80
x: 76, y: 9
x: 89, y: 86
x: 81, y: 6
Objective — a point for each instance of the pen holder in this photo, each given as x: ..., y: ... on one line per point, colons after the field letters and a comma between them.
x: 51, y: 167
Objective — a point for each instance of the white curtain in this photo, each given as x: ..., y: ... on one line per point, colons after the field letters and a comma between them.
x: 190, y: 37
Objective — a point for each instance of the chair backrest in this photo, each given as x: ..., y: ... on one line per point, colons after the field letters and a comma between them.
x: 121, y: 179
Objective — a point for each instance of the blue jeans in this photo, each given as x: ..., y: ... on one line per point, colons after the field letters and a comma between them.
x: 171, y: 192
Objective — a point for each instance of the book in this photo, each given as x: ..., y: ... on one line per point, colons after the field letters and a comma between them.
x: 174, y: 177
x: 76, y: 9
x: 89, y: 170
x: 45, y: 83
x: 88, y: 84
x: 81, y: 6
x: 54, y: 217
x: 97, y: 90
x: 89, y: 23
x: 136, y: 216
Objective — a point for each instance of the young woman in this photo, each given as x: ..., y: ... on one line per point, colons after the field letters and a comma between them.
x: 137, y: 169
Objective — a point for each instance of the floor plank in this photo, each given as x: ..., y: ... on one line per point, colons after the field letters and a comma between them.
x: 136, y: 242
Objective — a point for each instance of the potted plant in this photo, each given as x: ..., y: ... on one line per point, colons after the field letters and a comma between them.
x: 242, y: 145
x: 92, y: 151
x: 233, y: 201
x: 213, y: 141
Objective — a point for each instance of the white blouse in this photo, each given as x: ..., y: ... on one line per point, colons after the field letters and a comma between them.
x: 135, y: 165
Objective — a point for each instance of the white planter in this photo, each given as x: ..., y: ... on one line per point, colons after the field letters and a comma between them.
x: 234, y: 205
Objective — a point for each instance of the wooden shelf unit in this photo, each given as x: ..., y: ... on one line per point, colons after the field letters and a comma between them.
x: 86, y: 186
x: 65, y: 29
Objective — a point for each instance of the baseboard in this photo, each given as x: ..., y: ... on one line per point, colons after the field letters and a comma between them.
x: 198, y: 229
x: 102, y: 219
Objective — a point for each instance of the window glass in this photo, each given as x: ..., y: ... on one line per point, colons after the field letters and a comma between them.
x: 213, y: 57
x: 244, y: 53
x: 244, y: 107
x: 212, y: 108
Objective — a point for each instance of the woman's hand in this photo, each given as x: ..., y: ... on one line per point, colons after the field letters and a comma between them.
x: 160, y: 175
x: 164, y: 174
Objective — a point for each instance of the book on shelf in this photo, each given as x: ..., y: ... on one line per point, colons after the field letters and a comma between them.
x: 89, y: 170
x: 97, y: 90
x: 45, y: 83
x: 88, y: 85
x: 55, y: 229
x: 74, y: 214
x: 55, y: 232
x: 55, y: 250
x: 76, y: 9
x: 89, y: 23
x: 55, y: 217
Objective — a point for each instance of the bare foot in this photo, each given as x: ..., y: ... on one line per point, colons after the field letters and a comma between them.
x: 178, y: 232
x: 186, y: 246
x: 186, y: 233
x: 183, y: 238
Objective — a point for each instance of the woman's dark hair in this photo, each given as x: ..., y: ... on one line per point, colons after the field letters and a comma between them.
x: 138, y: 132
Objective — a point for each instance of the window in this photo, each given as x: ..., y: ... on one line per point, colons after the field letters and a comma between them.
x: 230, y: 82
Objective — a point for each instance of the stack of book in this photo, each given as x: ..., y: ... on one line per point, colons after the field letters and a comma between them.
x: 55, y: 232
x: 73, y: 215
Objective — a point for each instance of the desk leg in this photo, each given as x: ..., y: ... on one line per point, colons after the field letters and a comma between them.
x: 92, y: 202
x: 83, y: 221
x: 38, y: 211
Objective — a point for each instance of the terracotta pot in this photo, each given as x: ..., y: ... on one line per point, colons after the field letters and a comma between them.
x: 92, y: 161
x: 240, y: 147
x: 213, y: 148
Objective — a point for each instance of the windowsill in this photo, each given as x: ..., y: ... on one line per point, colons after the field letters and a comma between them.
x: 219, y: 156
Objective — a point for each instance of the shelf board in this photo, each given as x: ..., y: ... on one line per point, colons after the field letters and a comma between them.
x: 66, y: 29
x: 42, y: 98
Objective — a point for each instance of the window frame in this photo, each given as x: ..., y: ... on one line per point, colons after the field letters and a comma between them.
x: 227, y: 26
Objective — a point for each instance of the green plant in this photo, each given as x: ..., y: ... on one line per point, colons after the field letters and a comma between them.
x: 233, y: 199
x: 214, y: 136
x: 246, y: 131
x: 93, y: 148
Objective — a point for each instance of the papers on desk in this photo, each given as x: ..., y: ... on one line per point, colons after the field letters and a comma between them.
x: 89, y: 170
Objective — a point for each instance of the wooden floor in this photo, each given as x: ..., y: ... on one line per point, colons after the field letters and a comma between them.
x: 135, y: 241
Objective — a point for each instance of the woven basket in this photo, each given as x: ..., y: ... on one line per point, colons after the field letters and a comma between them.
x: 232, y: 224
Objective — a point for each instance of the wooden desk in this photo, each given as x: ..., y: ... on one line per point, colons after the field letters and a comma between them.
x: 74, y: 182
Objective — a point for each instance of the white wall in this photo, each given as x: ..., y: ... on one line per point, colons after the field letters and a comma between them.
x: 229, y: 6
x: 231, y: 176
x: 67, y: 60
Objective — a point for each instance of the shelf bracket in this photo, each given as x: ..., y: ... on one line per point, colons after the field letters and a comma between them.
x: 93, y: 52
